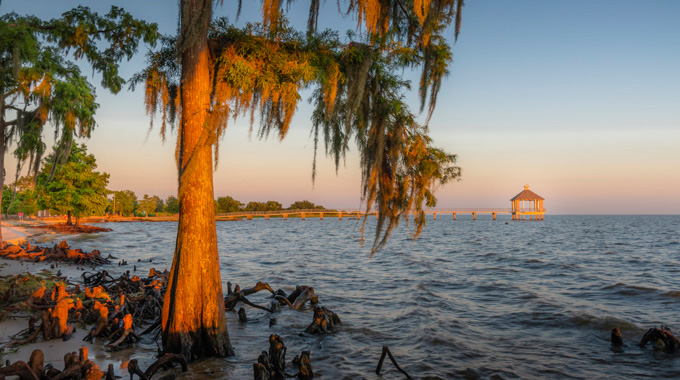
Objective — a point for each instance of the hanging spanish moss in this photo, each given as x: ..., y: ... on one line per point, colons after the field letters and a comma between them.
x: 260, y: 71
x: 400, y: 167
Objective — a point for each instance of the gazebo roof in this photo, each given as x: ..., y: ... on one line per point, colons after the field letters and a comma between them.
x: 527, y: 195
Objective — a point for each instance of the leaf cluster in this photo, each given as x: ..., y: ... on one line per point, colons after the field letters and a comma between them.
x: 39, y: 80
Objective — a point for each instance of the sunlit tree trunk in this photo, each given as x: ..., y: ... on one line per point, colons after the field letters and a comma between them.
x: 194, y: 321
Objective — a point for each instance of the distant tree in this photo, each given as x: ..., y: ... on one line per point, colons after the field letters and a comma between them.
x: 160, y: 205
x: 126, y: 200
x: 172, y: 205
x: 148, y: 204
x: 273, y: 206
x: 228, y: 204
x: 75, y: 189
x: 304, y: 205
x: 256, y: 206
x: 25, y: 202
x: 21, y: 185
x: 6, y: 199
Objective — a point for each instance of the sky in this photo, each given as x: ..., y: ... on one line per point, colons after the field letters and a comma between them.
x: 578, y: 99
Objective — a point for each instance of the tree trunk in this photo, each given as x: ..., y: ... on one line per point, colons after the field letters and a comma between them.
x: 2, y: 153
x: 68, y: 218
x: 194, y: 320
x: 77, y: 221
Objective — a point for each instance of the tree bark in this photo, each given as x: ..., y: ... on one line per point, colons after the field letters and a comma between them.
x: 194, y: 321
x: 68, y: 218
x: 2, y: 153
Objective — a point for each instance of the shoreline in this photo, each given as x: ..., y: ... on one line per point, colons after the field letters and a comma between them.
x: 14, y: 321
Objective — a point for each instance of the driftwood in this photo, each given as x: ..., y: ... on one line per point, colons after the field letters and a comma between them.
x: 277, y: 356
x: 324, y: 321
x: 304, y: 365
x: 297, y: 298
x: 163, y: 361
x: 272, y: 365
x: 54, y: 319
x: 20, y: 369
x: 242, y: 315
x: 617, y: 338
x: 669, y: 343
x: 238, y: 295
x: 386, y: 351
x: 125, y: 336
x: 114, y: 306
x: 76, y: 366
x: 61, y: 252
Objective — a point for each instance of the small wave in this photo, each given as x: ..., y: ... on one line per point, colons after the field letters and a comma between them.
x: 629, y: 290
x: 672, y: 293
x: 602, y: 323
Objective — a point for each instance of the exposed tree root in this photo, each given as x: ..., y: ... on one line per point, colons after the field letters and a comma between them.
x: 272, y: 365
x: 324, y: 321
x: 61, y: 252
x: 386, y: 351
x: 662, y: 337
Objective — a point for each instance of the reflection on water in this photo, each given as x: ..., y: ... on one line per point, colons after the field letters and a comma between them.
x: 468, y: 299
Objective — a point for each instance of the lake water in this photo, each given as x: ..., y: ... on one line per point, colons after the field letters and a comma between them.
x: 469, y: 299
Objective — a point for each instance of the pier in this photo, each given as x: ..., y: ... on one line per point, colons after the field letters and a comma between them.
x: 358, y: 214
x: 526, y: 205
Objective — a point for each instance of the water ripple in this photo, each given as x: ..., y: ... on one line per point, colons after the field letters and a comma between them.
x: 468, y: 300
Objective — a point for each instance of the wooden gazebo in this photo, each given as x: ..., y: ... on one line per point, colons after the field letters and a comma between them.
x: 527, y: 205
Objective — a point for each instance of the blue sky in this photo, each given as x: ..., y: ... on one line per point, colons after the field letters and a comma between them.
x: 578, y: 99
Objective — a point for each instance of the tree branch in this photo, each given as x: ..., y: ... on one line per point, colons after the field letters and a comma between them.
x: 8, y: 123
x: 15, y: 108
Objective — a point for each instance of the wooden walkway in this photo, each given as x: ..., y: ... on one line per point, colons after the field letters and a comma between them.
x: 354, y: 213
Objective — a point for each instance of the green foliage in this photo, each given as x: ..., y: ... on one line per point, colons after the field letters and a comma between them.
x: 6, y: 198
x: 81, y: 31
x: 172, y: 205
x: 304, y: 205
x: 126, y: 200
x: 263, y: 206
x: 228, y: 204
x: 24, y: 202
x: 76, y: 187
x: 273, y: 206
x: 24, y: 198
x: 149, y: 204
x: 160, y: 205
x: 255, y: 206
x: 40, y: 83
